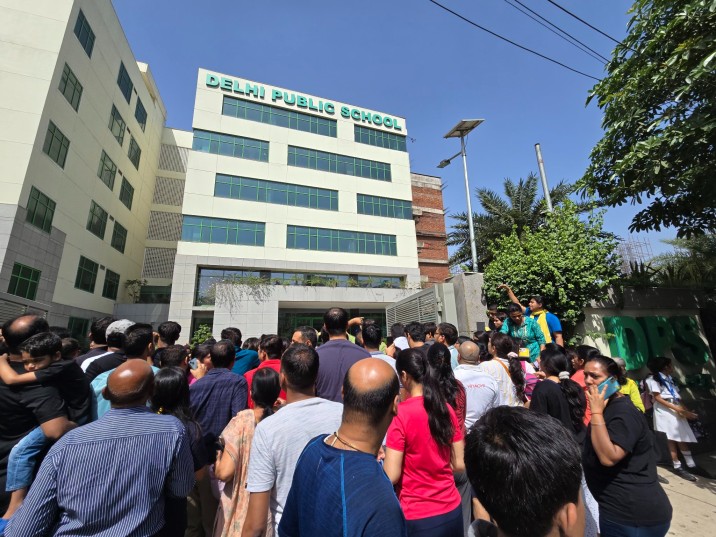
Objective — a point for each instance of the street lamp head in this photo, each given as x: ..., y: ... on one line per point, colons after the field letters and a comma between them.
x: 444, y: 163
x: 463, y: 128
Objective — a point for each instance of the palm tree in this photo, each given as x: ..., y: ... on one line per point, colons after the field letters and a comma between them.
x: 521, y: 207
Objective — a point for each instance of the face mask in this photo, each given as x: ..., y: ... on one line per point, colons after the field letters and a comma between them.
x: 612, y: 387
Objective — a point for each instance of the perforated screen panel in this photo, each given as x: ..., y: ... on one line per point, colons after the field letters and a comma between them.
x: 158, y: 262
x: 164, y: 226
x: 168, y: 191
x: 173, y: 158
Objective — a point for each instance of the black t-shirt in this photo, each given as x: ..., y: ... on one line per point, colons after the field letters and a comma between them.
x: 105, y: 363
x: 549, y: 399
x: 22, y: 408
x: 73, y: 385
x: 90, y: 354
x: 628, y: 492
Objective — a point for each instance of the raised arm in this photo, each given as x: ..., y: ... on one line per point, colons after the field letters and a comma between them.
x: 511, y: 295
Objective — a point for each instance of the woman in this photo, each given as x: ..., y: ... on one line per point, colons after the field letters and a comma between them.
x: 171, y: 397
x: 232, y: 462
x: 526, y: 330
x: 424, y: 447
x: 618, y: 458
x: 506, y: 368
x: 670, y: 415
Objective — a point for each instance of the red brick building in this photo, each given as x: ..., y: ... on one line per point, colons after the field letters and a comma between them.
x: 429, y: 216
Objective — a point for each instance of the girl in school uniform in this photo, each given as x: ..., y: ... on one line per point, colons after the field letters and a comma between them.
x: 670, y: 415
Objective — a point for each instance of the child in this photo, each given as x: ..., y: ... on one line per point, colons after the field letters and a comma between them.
x: 670, y: 415
x: 44, y: 363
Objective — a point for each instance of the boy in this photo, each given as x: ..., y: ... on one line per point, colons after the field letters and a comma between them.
x: 44, y: 363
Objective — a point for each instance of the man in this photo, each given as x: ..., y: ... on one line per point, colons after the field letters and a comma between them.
x: 23, y: 410
x: 270, y: 351
x: 548, y: 322
x: 166, y: 335
x: 115, y: 333
x: 97, y: 340
x: 481, y: 390
x: 415, y: 335
x: 320, y: 501
x: 138, y: 345
x: 491, y: 312
x: 305, y: 335
x: 372, y: 336
x: 525, y: 469
x: 429, y: 329
x: 121, y: 475
x: 279, y: 439
x: 337, y: 355
x: 245, y: 359
x: 447, y: 335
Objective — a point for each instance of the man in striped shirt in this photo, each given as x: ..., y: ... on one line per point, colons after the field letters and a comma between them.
x: 124, y: 474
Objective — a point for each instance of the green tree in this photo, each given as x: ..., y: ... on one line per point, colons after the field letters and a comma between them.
x: 692, y: 264
x: 201, y: 334
x: 522, y: 208
x: 659, y: 103
x: 568, y: 260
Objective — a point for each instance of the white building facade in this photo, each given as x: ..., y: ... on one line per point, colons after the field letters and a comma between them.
x: 293, y: 203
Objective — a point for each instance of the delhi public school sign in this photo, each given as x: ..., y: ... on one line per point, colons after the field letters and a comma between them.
x: 636, y: 339
x: 258, y: 91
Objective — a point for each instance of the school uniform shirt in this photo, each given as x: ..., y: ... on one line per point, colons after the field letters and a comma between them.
x: 628, y: 492
x: 426, y: 486
x: 667, y: 420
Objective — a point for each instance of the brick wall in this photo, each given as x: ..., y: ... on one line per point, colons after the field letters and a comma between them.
x: 430, y: 228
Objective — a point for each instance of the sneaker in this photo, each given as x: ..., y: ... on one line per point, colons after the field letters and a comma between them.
x: 684, y: 474
x: 662, y: 479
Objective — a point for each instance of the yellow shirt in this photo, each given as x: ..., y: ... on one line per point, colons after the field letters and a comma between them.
x: 632, y: 390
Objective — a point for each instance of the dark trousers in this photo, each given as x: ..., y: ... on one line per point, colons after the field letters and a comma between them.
x: 607, y: 528
x: 447, y: 525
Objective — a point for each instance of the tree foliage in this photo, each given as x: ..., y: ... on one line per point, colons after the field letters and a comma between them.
x: 568, y: 260
x: 659, y: 103
x: 692, y: 264
x: 522, y: 208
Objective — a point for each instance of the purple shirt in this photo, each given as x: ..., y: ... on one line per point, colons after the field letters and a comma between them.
x: 335, y: 359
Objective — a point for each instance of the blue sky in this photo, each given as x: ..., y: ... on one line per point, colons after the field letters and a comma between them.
x: 407, y: 58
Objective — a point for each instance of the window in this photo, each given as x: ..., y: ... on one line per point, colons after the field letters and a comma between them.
x: 84, y: 33
x: 331, y: 162
x: 134, y: 153
x: 70, y: 87
x: 86, y: 275
x: 107, y: 170
x: 111, y: 285
x: 97, y: 220
x: 338, y: 240
x: 389, y: 140
x: 389, y: 207
x: 24, y: 281
x: 79, y: 328
x: 119, y: 237
x: 126, y: 193
x: 244, y: 188
x: 56, y: 145
x: 117, y: 125
x: 124, y: 82
x: 40, y: 210
x: 221, y: 231
x: 140, y: 114
x: 273, y: 115
x: 232, y: 146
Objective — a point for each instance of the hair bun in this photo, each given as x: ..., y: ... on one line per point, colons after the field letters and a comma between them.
x: 563, y: 375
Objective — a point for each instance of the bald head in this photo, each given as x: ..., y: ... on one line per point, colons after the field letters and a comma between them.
x: 130, y: 384
x: 17, y: 330
x: 469, y: 352
x: 369, y: 391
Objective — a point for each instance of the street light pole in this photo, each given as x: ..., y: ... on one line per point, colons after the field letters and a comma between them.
x: 461, y: 130
x: 471, y: 226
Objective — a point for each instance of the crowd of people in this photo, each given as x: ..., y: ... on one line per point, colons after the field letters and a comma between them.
x: 341, y: 431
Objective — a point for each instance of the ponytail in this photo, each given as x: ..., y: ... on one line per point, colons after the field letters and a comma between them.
x: 439, y: 360
x: 517, y: 375
x: 265, y: 389
x: 415, y: 364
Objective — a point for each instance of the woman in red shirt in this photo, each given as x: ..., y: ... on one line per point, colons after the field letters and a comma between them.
x: 424, y: 447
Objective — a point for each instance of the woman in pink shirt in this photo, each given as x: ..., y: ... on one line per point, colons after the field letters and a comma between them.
x: 424, y: 447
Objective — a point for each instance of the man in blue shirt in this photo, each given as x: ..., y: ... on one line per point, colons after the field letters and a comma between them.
x: 127, y: 473
x: 339, y: 489
x: 246, y: 359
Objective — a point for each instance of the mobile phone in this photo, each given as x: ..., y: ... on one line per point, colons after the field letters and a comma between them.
x: 612, y: 387
x: 193, y: 363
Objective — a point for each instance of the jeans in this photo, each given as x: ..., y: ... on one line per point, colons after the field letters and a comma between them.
x: 23, y: 458
x: 447, y: 525
x: 615, y: 529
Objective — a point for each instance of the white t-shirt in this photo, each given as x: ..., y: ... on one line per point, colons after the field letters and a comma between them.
x: 481, y: 391
x: 654, y: 386
x: 506, y: 388
x: 278, y: 443
x: 401, y: 343
x: 387, y: 359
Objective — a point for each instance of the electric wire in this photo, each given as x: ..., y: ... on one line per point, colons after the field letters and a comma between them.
x: 512, y: 42
x: 555, y: 4
x: 559, y: 31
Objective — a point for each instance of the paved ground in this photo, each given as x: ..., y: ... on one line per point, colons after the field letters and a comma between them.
x: 694, y: 505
